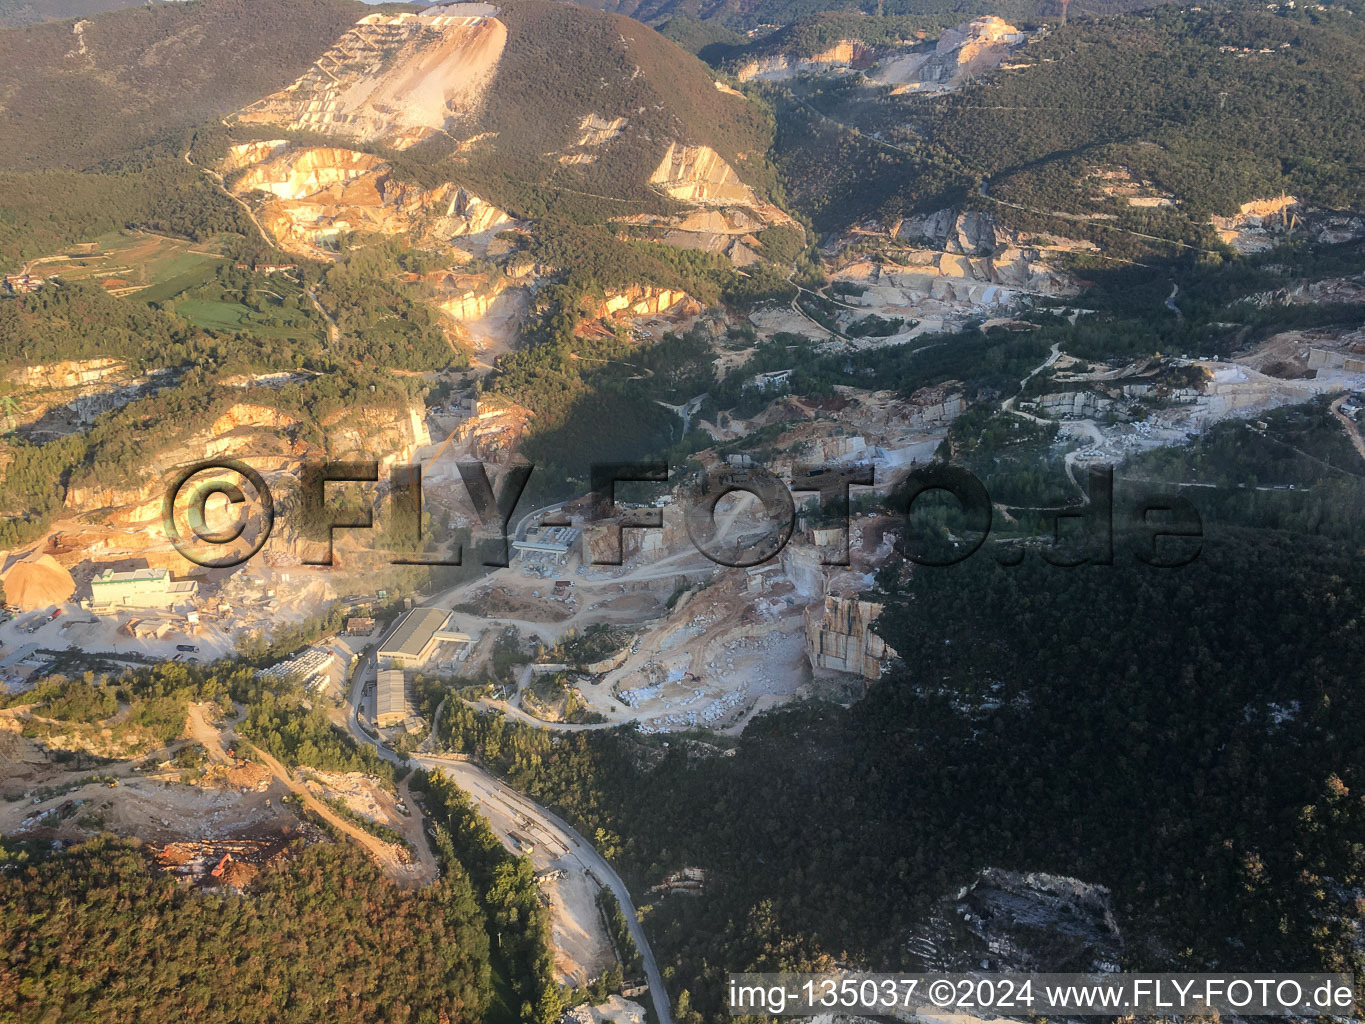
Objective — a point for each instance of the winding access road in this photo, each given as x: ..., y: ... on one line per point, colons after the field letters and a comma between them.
x: 484, y: 788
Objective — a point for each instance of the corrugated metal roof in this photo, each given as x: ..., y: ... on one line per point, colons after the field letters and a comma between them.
x: 391, y: 698
x: 414, y: 631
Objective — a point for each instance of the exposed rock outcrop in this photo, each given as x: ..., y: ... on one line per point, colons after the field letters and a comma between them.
x: 984, y: 282
x: 465, y: 296
x: 724, y: 206
x: 247, y: 153
x: 853, y: 53
x: 68, y: 374
x: 393, y: 79
x: 492, y: 430
x: 839, y: 637
x: 1250, y: 229
x: 266, y: 438
x: 969, y: 232
x: 55, y: 399
x: 943, y: 267
x: 641, y: 300
x: 699, y: 175
x: 318, y: 192
x: 971, y: 49
x: 1016, y: 921
x: 1261, y: 224
x: 594, y: 130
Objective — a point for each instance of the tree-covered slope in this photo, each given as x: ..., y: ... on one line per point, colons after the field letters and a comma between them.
x: 131, y: 77
x: 100, y: 934
x: 1213, y: 107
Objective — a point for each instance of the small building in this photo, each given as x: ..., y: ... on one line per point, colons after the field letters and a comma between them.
x: 24, y: 284
x: 359, y: 625
x: 148, y: 629
x: 392, y: 706
x: 139, y: 588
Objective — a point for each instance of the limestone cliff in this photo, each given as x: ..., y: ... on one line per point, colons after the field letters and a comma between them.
x: 593, y: 131
x: 951, y: 264
x: 988, y: 282
x: 311, y: 195
x: 1252, y: 227
x: 725, y: 214
x: 1260, y: 224
x: 263, y: 436
x: 68, y: 374
x: 247, y: 153
x: 55, y: 399
x: 639, y: 300
x: 839, y: 637
x: 464, y: 296
x: 845, y: 53
x: 962, y: 53
x: 698, y: 174
x: 393, y: 79
x: 504, y: 85
x: 491, y: 430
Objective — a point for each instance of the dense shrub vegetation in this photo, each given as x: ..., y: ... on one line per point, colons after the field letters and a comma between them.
x: 99, y: 933
x: 1150, y: 93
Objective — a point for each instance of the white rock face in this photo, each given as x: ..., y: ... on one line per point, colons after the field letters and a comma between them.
x: 846, y: 52
x: 698, y: 174
x: 971, y: 49
x: 393, y: 79
x: 1261, y: 224
x: 316, y: 193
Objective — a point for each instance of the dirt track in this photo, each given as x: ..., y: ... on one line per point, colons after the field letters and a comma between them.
x: 422, y: 871
x: 1352, y: 431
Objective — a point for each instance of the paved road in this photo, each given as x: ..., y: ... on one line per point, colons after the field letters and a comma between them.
x: 483, y: 788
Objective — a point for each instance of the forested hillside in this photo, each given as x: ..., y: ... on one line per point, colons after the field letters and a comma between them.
x: 747, y: 14
x: 100, y: 933
x: 1178, y: 736
x: 26, y: 12
x: 133, y: 78
x: 1171, y: 96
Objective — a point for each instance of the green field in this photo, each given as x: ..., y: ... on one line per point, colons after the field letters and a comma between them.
x: 197, y: 274
x: 217, y: 316
x: 137, y: 260
x: 226, y: 315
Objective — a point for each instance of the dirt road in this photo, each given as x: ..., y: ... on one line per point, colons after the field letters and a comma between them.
x: 1352, y: 431
x: 422, y: 871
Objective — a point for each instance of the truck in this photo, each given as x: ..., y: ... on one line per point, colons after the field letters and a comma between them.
x: 187, y: 648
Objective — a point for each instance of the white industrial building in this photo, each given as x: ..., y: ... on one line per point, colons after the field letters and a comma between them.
x: 139, y: 588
